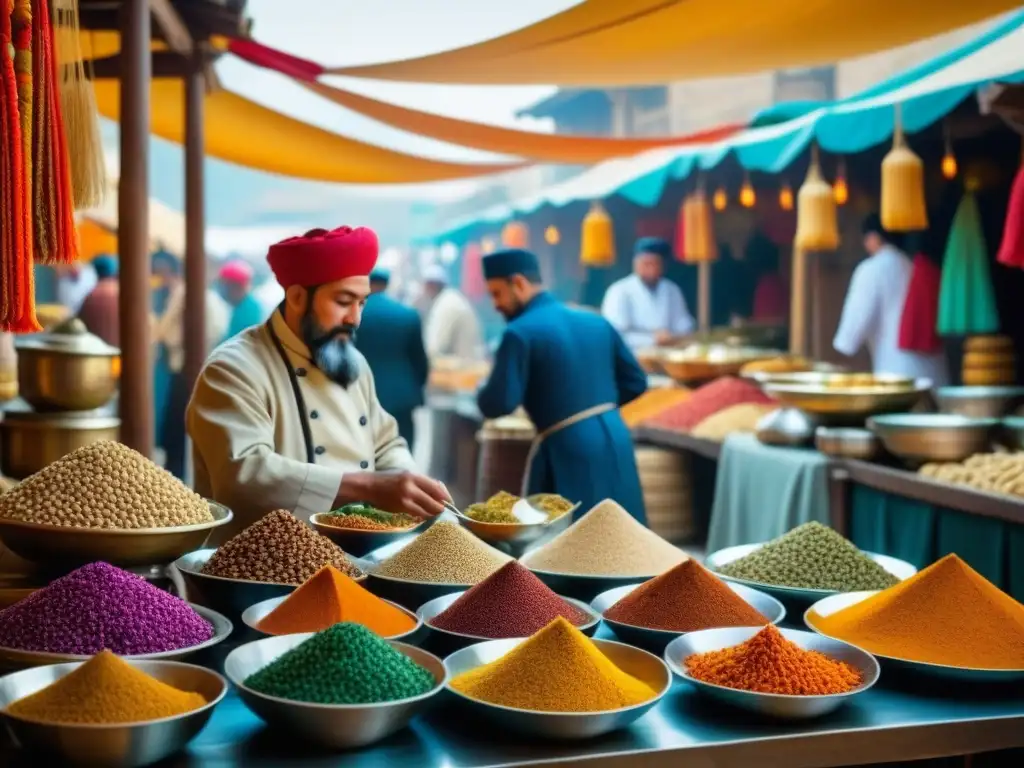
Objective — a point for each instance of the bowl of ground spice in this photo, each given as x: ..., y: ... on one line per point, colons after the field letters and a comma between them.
x: 946, y: 621
x: 558, y: 683
x: 495, y: 522
x: 342, y: 688
x: 108, y: 711
x: 687, y: 598
x: 361, y: 528
x: 783, y: 673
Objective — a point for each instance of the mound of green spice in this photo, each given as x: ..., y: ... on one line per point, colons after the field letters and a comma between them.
x: 811, y: 556
x: 343, y: 664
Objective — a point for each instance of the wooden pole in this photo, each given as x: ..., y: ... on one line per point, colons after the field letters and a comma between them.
x: 798, y: 307
x: 704, y: 296
x: 195, y: 225
x: 133, y: 231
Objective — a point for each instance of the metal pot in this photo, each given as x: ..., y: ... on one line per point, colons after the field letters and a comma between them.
x: 30, y: 441
x: 66, y: 369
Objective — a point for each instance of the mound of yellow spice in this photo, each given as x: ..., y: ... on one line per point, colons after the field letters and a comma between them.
x: 103, y: 691
x: 946, y: 614
x: 557, y: 670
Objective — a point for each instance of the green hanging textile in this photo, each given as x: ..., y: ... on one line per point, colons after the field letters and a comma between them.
x: 967, y: 303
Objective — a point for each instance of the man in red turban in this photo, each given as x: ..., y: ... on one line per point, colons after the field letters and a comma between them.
x: 285, y: 415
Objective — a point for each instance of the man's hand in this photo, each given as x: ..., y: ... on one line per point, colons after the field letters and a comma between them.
x: 662, y: 338
x: 406, y: 492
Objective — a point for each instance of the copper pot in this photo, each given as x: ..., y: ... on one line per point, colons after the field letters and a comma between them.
x: 30, y: 441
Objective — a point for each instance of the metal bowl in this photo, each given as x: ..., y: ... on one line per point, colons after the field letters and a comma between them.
x: 785, y: 427
x: 847, y: 442
x: 229, y: 596
x: 121, y: 745
x: 699, y: 363
x: 584, y: 588
x: 70, y: 547
x: 794, y: 598
x: 30, y: 441
x: 454, y: 641
x: 561, y: 725
x: 843, y: 396
x: 338, y: 726
x: 1013, y: 433
x: 830, y: 605
x: 357, y: 542
x: 254, y: 614
x: 784, y: 706
x: 979, y: 402
x: 655, y: 640
x: 515, y: 538
x: 917, y: 438
x: 16, y: 658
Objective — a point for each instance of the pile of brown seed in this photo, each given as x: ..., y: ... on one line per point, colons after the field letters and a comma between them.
x: 105, y: 485
x: 278, y: 548
x: 446, y: 554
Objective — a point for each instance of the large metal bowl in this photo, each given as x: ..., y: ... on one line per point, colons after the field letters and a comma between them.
x: 796, y: 599
x: 845, y: 396
x: 338, y: 726
x: 700, y: 363
x: 1013, y: 433
x: 16, y: 658
x: 835, y: 603
x: 357, y: 542
x: 69, y: 547
x: 783, y: 706
x: 584, y: 588
x: 917, y: 438
x: 447, y: 641
x: 254, y: 614
x: 979, y: 402
x: 561, y: 725
x: 515, y: 538
x: 121, y: 745
x: 656, y: 640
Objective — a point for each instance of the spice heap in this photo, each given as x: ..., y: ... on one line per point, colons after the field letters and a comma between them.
x: 769, y: 663
x: 734, y: 419
x: 105, y: 485
x: 685, y: 599
x: 708, y: 400
x: 511, y: 602
x: 651, y: 403
x: 811, y: 556
x: 103, y: 691
x: 993, y: 472
x: 946, y: 614
x: 99, y: 606
x: 606, y: 541
x: 330, y: 597
x: 344, y: 664
x: 557, y: 670
x: 277, y: 548
x: 446, y: 554
x: 363, y: 517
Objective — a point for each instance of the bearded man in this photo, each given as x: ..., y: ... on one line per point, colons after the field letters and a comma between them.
x: 285, y: 415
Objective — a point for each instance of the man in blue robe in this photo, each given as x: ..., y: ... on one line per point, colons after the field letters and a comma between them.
x: 571, y: 371
x: 390, y: 336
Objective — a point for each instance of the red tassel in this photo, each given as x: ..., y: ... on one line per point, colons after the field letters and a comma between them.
x: 1011, y: 251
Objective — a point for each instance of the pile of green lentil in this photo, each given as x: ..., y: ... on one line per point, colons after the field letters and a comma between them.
x: 343, y: 664
x: 811, y: 556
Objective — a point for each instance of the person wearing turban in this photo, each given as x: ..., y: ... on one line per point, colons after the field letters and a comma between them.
x: 645, y: 307
x: 570, y: 370
x: 285, y: 415
x: 235, y: 282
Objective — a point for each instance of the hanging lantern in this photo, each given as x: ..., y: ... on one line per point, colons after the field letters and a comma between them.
x: 786, y: 197
x: 597, y: 239
x: 487, y: 245
x: 720, y: 199
x: 699, y: 229
x: 902, y: 198
x: 515, y: 234
x: 949, y: 168
x: 840, y: 189
x: 552, y: 235
x: 817, y: 224
x: 748, y: 198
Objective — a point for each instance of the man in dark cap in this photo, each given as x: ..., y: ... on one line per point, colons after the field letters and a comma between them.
x: 570, y: 371
x: 646, y: 308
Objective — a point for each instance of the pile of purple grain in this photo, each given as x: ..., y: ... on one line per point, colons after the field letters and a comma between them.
x: 101, y: 607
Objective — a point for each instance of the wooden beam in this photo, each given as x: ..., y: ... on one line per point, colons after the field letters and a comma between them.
x: 195, y: 223
x: 163, y: 64
x: 203, y: 19
x: 177, y: 35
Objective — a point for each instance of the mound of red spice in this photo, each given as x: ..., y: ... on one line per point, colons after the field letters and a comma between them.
x: 511, y: 602
x: 686, y: 598
x: 707, y: 401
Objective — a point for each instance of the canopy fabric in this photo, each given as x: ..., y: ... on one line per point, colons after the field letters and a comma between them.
x: 241, y: 131
x: 601, y: 43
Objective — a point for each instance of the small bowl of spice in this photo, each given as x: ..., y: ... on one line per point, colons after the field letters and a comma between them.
x: 361, y: 528
x: 499, y: 522
x: 782, y: 673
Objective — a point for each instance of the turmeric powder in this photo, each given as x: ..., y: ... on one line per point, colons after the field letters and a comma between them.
x: 651, y: 403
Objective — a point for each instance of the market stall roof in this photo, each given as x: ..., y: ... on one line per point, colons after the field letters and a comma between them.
x: 610, y: 42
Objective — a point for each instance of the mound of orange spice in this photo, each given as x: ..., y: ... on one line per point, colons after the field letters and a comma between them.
x: 769, y: 663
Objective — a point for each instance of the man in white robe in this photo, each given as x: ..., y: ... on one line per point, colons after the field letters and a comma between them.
x: 452, y: 328
x: 285, y: 415
x: 646, y: 308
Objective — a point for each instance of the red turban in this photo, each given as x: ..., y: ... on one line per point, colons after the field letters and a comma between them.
x: 324, y: 257
x: 236, y: 272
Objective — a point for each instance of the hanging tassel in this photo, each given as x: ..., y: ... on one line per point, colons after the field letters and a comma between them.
x: 597, y: 241
x: 817, y: 224
x: 515, y: 234
x: 1011, y: 249
x: 700, y: 242
x: 78, y: 105
x: 55, y: 236
x: 903, y: 204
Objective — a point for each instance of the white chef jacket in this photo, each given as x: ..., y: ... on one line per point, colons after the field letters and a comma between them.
x: 638, y: 313
x: 452, y: 328
x: 872, y: 313
x: 249, y: 452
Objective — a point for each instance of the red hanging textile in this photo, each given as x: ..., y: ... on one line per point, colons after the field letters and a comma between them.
x: 269, y: 58
x: 919, y: 321
x: 473, y: 284
x: 1011, y: 250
